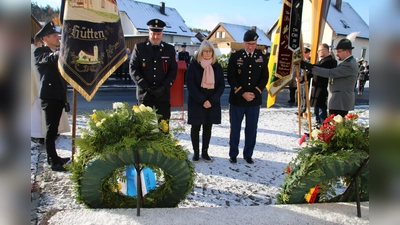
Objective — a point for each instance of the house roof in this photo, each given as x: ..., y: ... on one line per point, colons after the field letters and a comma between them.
x: 140, y: 13
x: 347, y: 21
x: 237, y: 32
x: 348, y: 15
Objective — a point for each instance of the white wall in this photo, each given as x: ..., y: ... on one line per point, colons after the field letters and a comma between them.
x: 127, y: 25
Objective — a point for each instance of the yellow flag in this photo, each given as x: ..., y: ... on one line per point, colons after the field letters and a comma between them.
x: 272, y: 64
x: 319, y: 14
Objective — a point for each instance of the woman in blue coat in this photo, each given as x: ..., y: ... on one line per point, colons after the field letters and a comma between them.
x: 205, y: 84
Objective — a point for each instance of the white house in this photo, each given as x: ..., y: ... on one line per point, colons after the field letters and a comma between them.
x: 107, y: 6
x: 135, y: 15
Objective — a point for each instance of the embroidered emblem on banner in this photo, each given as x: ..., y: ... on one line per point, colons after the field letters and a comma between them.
x: 93, y: 45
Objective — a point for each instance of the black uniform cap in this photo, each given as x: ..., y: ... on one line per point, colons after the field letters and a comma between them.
x: 156, y: 25
x: 250, y: 35
x: 307, y: 50
x: 183, y: 46
x: 48, y: 28
x: 344, y: 44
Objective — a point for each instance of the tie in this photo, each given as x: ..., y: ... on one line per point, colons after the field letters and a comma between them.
x: 250, y: 55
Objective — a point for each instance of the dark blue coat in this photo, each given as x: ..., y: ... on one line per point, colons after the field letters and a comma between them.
x: 319, y: 90
x: 197, y: 114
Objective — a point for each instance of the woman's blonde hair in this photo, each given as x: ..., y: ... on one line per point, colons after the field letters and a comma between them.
x: 205, y: 44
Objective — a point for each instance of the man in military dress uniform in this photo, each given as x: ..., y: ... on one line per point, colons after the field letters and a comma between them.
x: 53, y: 91
x: 247, y: 76
x: 153, y: 68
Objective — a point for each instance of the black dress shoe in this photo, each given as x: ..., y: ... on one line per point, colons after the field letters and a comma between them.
x: 290, y: 101
x: 58, y: 167
x: 65, y: 160
x: 232, y: 160
x: 249, y: 160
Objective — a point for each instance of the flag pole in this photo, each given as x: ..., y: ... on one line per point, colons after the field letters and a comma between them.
x: 297, y: 69
x: 306, y: 88
x: 73, y: 123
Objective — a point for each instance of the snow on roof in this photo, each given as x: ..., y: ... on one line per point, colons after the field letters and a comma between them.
x: 347, y: 21
x: 237, y: 32
x: 140, y: 13
x: 195, y: 40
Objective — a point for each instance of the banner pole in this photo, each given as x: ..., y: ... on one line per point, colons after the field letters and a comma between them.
x: 306, y: 88
x: 74, y: 98
x: 297, y: 68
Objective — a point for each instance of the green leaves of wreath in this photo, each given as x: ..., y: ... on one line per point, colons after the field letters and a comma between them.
x: 112, y: 141
x: 337, y: 154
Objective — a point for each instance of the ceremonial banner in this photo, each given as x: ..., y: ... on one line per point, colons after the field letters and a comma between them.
x: 272, y: 63
x: 92, y: 44
x: 285, y: 49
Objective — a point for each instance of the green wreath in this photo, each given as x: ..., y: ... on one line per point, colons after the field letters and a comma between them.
x: 112, y: 141
x: 324, y: 171
x: 338, y: 152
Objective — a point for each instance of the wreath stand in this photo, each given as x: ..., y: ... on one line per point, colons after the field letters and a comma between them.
x: 355, y: 181
x: 139, y: 199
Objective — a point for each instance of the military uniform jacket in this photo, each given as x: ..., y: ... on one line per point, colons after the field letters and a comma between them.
x: 247, y: 75
x: 153, y: 70
x: 319, y: 90
x: 184, y: 56
x: 341, y: 88
x: 52, y: 85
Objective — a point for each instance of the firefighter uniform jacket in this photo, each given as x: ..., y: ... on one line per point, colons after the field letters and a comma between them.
x: 152, y: 67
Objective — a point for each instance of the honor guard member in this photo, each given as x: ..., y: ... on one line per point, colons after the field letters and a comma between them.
x: 184, y: 55
x: 247, y: 76
x: 153, y: 68
x: 53, y: 91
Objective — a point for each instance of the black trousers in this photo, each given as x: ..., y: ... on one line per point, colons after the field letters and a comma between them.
x: 52, y: 113
x: 292, y: 93
x: 195, y: 136
x: 163, y: 108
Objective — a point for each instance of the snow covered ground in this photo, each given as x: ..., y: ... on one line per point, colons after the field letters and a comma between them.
x: 238, y: 188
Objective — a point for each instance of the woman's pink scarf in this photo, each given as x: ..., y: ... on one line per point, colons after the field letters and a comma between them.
x: 208, y: 74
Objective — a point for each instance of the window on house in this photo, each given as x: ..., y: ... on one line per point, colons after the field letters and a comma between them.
x: 217, y: 34
x: 183, y: 29
x: 345, y: 25
x: 363, y: 52
x: 223, y: 34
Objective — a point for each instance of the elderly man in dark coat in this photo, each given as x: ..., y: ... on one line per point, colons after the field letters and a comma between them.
x: 319, y: 90
x: 341, y: 79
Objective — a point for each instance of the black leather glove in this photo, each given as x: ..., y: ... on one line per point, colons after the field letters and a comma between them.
x: 306, y: 65
x: 157, y: 91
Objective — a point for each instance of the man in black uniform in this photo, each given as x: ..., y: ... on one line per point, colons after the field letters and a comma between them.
x: 184, y: 55
x: 153, y: 68
x: 247, y: 76
x: 53, y: 91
